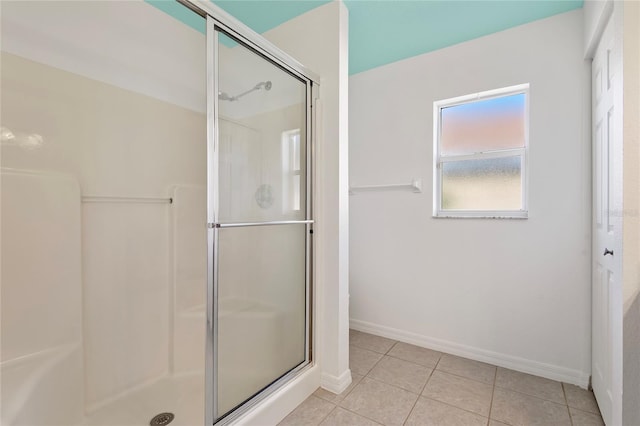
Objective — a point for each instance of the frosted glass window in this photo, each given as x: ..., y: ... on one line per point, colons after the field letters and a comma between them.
x: 492, y: 184
x: 480, y: 166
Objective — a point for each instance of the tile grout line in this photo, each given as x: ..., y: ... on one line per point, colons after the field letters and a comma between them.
x: 374, y: 366
x: 532, y: 396
x: 438, y: 362
x: 308, y: 398
x: 493, y: 392
x: 393, y: 386
x: 564, y: 394
x: 456, y: 407
x: 434, y: 368
x: 337, y: 402
x: 431, y: 375
x: 584, y: 410
x: 412, y: 408
x: 395, y: 342
x: 422, y: 390
x: 369, y: 349
x: 350, y: 390
x: 566, y: 401
x: 360, y: 382
x: 412, y: 362
x: 328, y: 414
x: 464, y: 377
x: 458, y: 375
x: 366, y: 375
x: 377, y: 353
x: 464, y: 409
x: 361, y: 415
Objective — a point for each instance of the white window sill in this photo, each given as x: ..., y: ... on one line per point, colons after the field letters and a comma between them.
x: 450, y: 214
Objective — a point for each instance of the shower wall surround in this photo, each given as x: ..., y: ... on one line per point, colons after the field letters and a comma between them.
x: 143, y: 148
x: 41, y: 348
x: 109, y: 126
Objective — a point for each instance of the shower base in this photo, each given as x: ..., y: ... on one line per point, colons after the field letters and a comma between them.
x: 181, y: 395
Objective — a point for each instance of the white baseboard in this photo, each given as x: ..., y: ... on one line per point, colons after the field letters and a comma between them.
x: 335, y: 384
x: 524, y: 365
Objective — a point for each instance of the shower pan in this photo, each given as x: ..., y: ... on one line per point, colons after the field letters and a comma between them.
x: 157, y: 217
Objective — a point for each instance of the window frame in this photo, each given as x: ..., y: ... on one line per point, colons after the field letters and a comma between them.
x: 439, y: 159
x: 290, y: 171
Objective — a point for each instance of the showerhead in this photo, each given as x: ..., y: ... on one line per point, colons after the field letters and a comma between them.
x: 266, y: 85
x: 224, y: 96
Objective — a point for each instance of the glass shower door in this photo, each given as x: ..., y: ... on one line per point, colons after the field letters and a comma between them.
x: 261, y: 225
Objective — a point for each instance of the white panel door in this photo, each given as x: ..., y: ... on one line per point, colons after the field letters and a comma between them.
x: 607, y: 243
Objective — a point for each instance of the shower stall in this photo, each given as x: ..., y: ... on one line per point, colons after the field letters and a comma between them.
x: 156, y: 215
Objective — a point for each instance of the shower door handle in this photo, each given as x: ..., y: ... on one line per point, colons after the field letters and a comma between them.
x: 272, y: 223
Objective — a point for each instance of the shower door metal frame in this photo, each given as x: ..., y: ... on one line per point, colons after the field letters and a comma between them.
x: 219, y: 21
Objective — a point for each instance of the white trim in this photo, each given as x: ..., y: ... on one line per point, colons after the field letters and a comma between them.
x: 289, y: 170
x: 251, y: 38
x: 482, y: 96
x: 486, y: 155
x: 272, y: 410
x: 415, y: 186
x: 482, y: 214
x: 109, y: 199
x: 335, y: 384
x: 522, y: 152
x: 549, y: 371
x: 601, y: 23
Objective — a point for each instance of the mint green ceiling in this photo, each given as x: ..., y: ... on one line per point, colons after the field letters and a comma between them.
x: 385, y: 31
x: 381, y: 32
x: 262, y: 15
x: 259, y: 15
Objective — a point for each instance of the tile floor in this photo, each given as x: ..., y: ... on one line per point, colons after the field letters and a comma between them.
x: 399, y: 384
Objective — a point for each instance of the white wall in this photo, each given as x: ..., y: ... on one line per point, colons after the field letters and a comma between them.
x: 168, y: 65
x: 512, y: 292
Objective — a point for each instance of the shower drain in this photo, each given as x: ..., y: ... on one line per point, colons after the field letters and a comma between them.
x: 161, y: 419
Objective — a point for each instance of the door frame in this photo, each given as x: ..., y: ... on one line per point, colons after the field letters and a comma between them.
x: 251, y: 38
x: 610, y: 19
x: 218, y: 20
